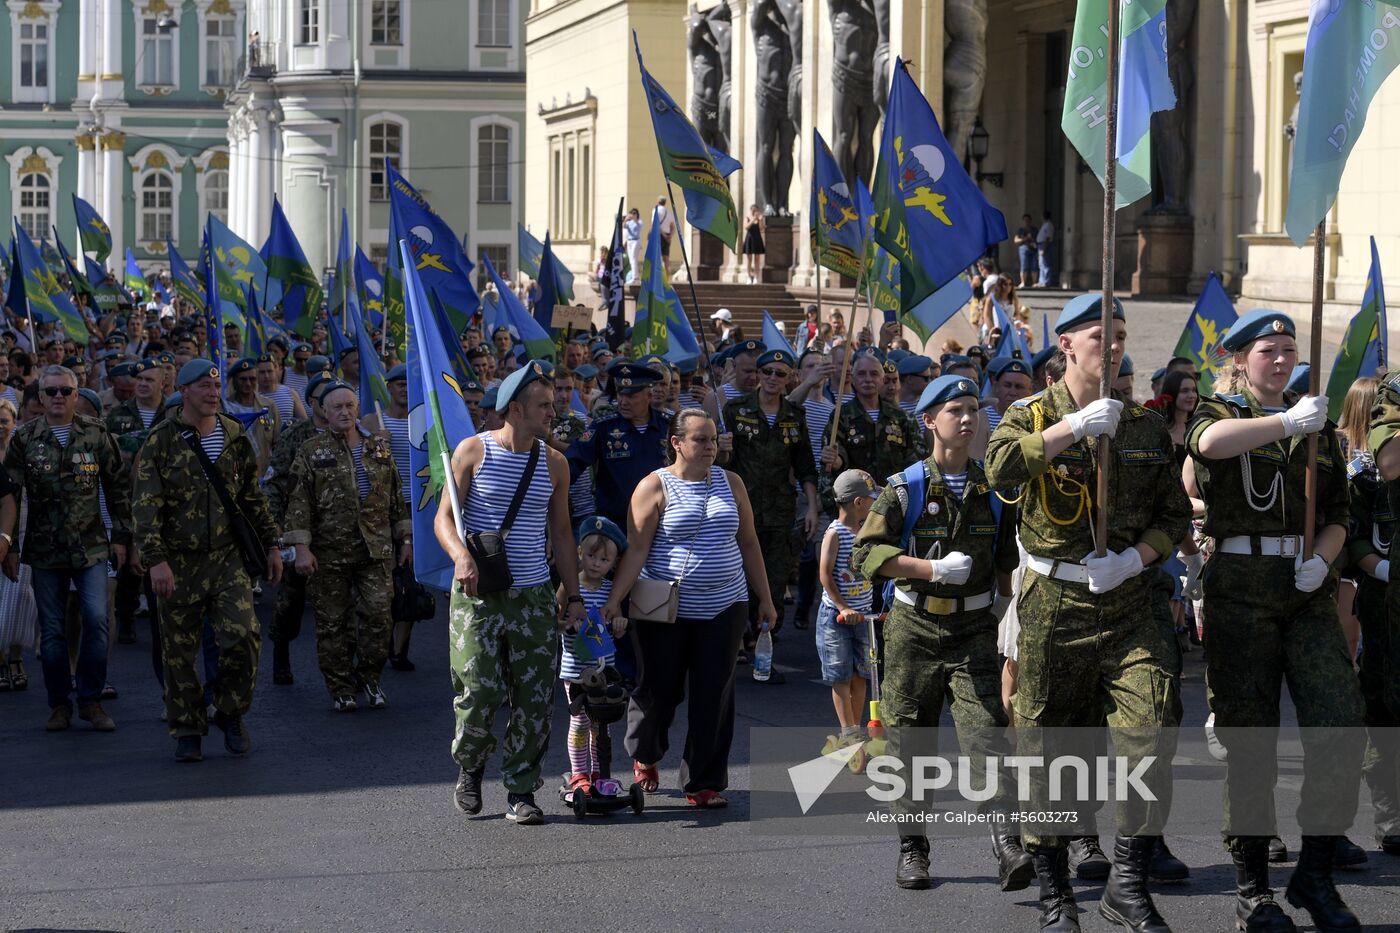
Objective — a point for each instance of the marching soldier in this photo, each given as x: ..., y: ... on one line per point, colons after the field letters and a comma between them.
x: 187, y: 545
x: 876, y: 435
x: 345, y: 516
x: 128, y: 423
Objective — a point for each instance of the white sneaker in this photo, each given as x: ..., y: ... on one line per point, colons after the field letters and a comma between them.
x: 374, y: 696
x: 346, y: 704
x: 1217, y: 751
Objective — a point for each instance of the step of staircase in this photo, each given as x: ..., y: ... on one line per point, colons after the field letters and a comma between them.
x: 746, y: 302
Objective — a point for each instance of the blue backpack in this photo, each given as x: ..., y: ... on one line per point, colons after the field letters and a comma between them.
x: 916, y: 481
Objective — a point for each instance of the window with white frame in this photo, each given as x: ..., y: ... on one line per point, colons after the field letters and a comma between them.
x: 220, y: 51
x: 34, y: 55
x: 157, y: 207
x: 493, y: 164
x: 500, y: 261
x: 308, y: 21
x: 493, y: 23
x: 157, y: 62
x: 35, y: 205
x: 216, y: 194
x: 386, y: 22
x: 385, y: 142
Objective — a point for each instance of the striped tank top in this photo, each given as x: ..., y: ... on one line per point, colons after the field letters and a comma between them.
x: 855, y: 590
x: 357, y: 454
x: 488, y: 499
x: 296, y: 382
x: 572, y: 665
x: 819, y: 411
x: 282, y: 401
x: 398, y: 442
x: 711, y: 572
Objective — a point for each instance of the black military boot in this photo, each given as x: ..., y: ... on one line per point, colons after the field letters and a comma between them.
x: 1278, y: 852
x: 1058, y: 911
x: 1086, y: 859
x: 281, y: 663
x: 912, y: 870
x: 1014, y: 868
x: 1389, y: 843
x: 1255, y: 908
x: 1125, y: 899
x: 187, y: 749
x: 1348, y: 854
x: 467, y: 794
x: 1165, y: 866
x: 1311, y: 886
x: 236, y: 738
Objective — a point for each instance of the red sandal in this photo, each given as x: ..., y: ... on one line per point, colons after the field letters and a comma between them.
x: 707, y: 800
x: 646, y: 777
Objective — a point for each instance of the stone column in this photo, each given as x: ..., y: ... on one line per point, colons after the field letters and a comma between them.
x: 111, y: 78
x: 257, y: 134
x: 114, y: 176
x: 87, y: 37
x: 87, y: 166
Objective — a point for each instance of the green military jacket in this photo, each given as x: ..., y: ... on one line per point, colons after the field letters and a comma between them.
x: 125, y: 424
x: 175, y: 510
x: 946, y: 523
x: 567, y: 428
x: 1230, y: 510
x: 768, y: 457
x: 278, y: 487
x: 881, y: 448
x: 325, y: 512
x: 65, y: 529
x: 1146, y: 502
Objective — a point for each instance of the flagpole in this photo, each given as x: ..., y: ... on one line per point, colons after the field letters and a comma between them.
x: 846, y: 361
x: 1110, y: 217
x: 689, y: 277
x: 1314, y: 386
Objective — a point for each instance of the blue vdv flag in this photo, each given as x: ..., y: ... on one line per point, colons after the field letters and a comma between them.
x: 1213, y: 315
x: 773, y: 338
x: 593, y: 641
x: 371, y: 288
x: 437, y: 254
x: 255, y: 334
x: 1363, y: 349
x: 836, y: 220
x: 1011, y: 342
x: 213, y: 329
x: 938, y: 309
x: 530, y: 250
x: 928, y: 212
x: 531, y: 340
x: 1045, y: 330
x: 576, y: 403
x: 549, y: 288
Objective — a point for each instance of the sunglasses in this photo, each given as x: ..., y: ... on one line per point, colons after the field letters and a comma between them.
x: 776, y: 373
x: 53, y: 391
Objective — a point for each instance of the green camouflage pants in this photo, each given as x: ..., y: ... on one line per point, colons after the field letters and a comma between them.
x: 779, y: 555
x: 504, y: 649
x: 1380, y: 690
x: 1260, y: 631
x: 289, y: 607
x: 215, y: 586
x: 343, y: 595
x: 932, y: 658
x: 1087, y: 659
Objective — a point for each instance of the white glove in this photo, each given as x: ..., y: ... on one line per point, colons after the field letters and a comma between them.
x: 1382, y: 571
x: 1000, y: 604
x: 1308, y: 575
x: 1191, y: 583
x: 1307, y: 416
x: 1098, y: 417
x: 953, y: 569
x: 1113, y: 569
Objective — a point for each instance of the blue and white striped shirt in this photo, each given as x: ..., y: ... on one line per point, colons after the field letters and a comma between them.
x: 61, y: 433
x: 488, y: 499
x: 398, y: 442
x: 282, y: 401
x: 361, y: 476
x: 819, y: 412
x: 572, y: 665
x: 697, y: 544
x: 213, y: 442
x: 956, y: 483
x: 857, y: 591
x: 296, y: 382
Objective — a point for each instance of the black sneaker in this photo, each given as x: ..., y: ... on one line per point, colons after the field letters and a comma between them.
x: 521, y: 810
x: 236, y: 738
x: 467, y: 795
x: 187, y: 749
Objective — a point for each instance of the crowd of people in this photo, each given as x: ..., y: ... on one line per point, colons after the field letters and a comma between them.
x: 660, y: 512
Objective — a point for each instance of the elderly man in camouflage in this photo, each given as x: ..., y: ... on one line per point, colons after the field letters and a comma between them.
x: 61, y: 460
x: 188, y: 547
x: 876, y: 435
x: 1087, y: 651
x: 347, y: 503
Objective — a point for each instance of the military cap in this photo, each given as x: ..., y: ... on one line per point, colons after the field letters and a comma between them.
x: 1084, y: 309
x: 852, y: 484
x: 346, y: 351
x: 71, y: 361
x: 777, y: 356
x: 746, y: 346
x: 1261, y: 322
x: 586, y: 371
x: 1299, y: 381
x: 470, y: 385
x: 511, y: 386
x: 92, y: 399
x: 943, y: 389
x: 314, y: 383
x: 195, y: 370
x: 245, y: 365
x: 488, y: 398
x: 398, y: 374
x: 121, y: 369
x: 628, y: 378
x: 318, y: 364
x: 913, y: 365
x: 1125, y: 368
x: 598, y: 525
x: 1002, y: 365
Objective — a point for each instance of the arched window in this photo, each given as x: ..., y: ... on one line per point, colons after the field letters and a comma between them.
x: 157, y: 207
x: 493, y: 164
x: 35, y: 204
x: 216, y: 195
x: 385, y: 142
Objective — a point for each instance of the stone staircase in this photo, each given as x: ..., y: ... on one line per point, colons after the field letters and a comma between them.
x: 746, y: 302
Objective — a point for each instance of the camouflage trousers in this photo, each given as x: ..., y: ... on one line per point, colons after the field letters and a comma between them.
x: 1086, y: 660
x: 290, y: 606
x: 929, y: 659
x: 1380, y: 690
x: 351, y: 604
x: 504, y: 648
x: 1260, y: 631
x: 216, y: 586
x: 779, y: 555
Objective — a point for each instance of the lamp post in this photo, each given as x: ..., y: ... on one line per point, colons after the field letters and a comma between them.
x: 978, y: 143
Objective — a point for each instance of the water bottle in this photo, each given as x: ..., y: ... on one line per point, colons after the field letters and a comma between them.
x: 288, y: 555
x: 763, y: 655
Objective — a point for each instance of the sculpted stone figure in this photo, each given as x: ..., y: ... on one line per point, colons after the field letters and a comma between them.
x: 774, y: 130
x: 722, y: 29
x: 1171, y: 128
x: 705, y: 78
x: 964, y: 68
x: 854, y: 112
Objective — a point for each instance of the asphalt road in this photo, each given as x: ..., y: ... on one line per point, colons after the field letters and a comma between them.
x: 345, y: 822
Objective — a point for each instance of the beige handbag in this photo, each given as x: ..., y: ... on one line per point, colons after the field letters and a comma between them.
x: 660, y: 600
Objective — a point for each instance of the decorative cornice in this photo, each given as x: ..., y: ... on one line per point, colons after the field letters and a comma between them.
x: 113, y: 140
x: 85, y: 142
x: 35, y: 163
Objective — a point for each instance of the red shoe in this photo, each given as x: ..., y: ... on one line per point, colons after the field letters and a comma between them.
x: 646, y: 776
x: 706, y: 800
x: 581, y: 782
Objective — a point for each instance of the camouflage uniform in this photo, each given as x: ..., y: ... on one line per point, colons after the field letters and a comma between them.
x: 881, y: 448
x: 768, y: 458
x: 1084, y: 657
x: 287, y: 612
x: 940, y: 650
x: 129, y: 430
x: 1375, y: 518
x: 353, y: 541
x: 1259, y: 629
x: 179, y: 519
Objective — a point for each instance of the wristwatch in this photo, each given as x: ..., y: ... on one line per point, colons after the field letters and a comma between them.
x: 573, y: 599
x: 6, y: 536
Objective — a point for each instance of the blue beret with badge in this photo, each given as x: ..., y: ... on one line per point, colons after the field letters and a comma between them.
x: 314, y: 383
x: 1001, y: 365
x: 318, y: 364
x: 121, y: 369
x: 599, y: 351
x: 1043, y: 356
x: 943, y: 389
x: 897, y: 354
x: 687, y: 365
x: 165, y: 358
x: 488, y: 398
x: 143, y: 366
x: 346, y: 351
x: 1159, y: 374
x: 777, y: 356
x: 335, y: 385
x: 628, y: 378
x: 1084, y: 309
x: 598, y: 525
x: 1125, y: 368
x: 1299, y: 380
x: 747, y: 346
x: 1261, y: 322
x: 913, y: 365
x: 586, y: 371
x: 92, y: 399
x: 245, y: 365
x: 398, y: 374
x: 195, y: 370
x: 512, y: 385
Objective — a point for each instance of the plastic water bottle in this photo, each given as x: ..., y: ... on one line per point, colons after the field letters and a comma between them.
x: 763, y: 655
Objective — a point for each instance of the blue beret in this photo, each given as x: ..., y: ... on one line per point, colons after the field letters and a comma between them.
x: 175, y: 399
x: 165, y: 358
x: 653, y: 362
x: 346, y: 351
x: 1159, y: 374
x: 315, y: 382
x: 914, y: 364
x: 722, y: 357
x: 278, y: 341
x: 586, y: 371
x: 398, y: 374
x: 1261, y: 322
x: 978, y: 350
x: 688, y: 365
x: 1299, y: 381
x: 143, y: 366
x: 116, y: 335
x: 597, y: 525
x: 628, y: 378
x: 245, y: 365
x: 300, y: 347
x: 777, y: 356
x: 479, y: 351
x: 1043, y: 356
x: 335, y: 385
x: 876, y: 352
x: 1008, y: 364
x: 318, y: 364
x: 470, y: 385
x: 955, y: 359
x: 810, y: 350
x: 488, y: 399
x: 71, y: 361
x: 511, y: 386
x: 898, y: 354
x: 195, y: 370
x: 582, y: 338
x: 121, y: 369
x: 105, y: 355
x: 600, y: 350
x: 502, y: 329
x: 943, y: 389
x: 747, y: 346
x: 92, y: 400
x: 1125, y: 368
x: 1084, y: 309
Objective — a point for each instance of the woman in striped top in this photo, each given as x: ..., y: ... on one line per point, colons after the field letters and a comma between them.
x: 691, y: 522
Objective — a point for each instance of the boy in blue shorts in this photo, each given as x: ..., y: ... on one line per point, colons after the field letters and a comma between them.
x: 843, y: 642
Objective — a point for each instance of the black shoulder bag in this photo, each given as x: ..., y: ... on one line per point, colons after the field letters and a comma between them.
x: 250, y: 546
x: 488, y: 548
